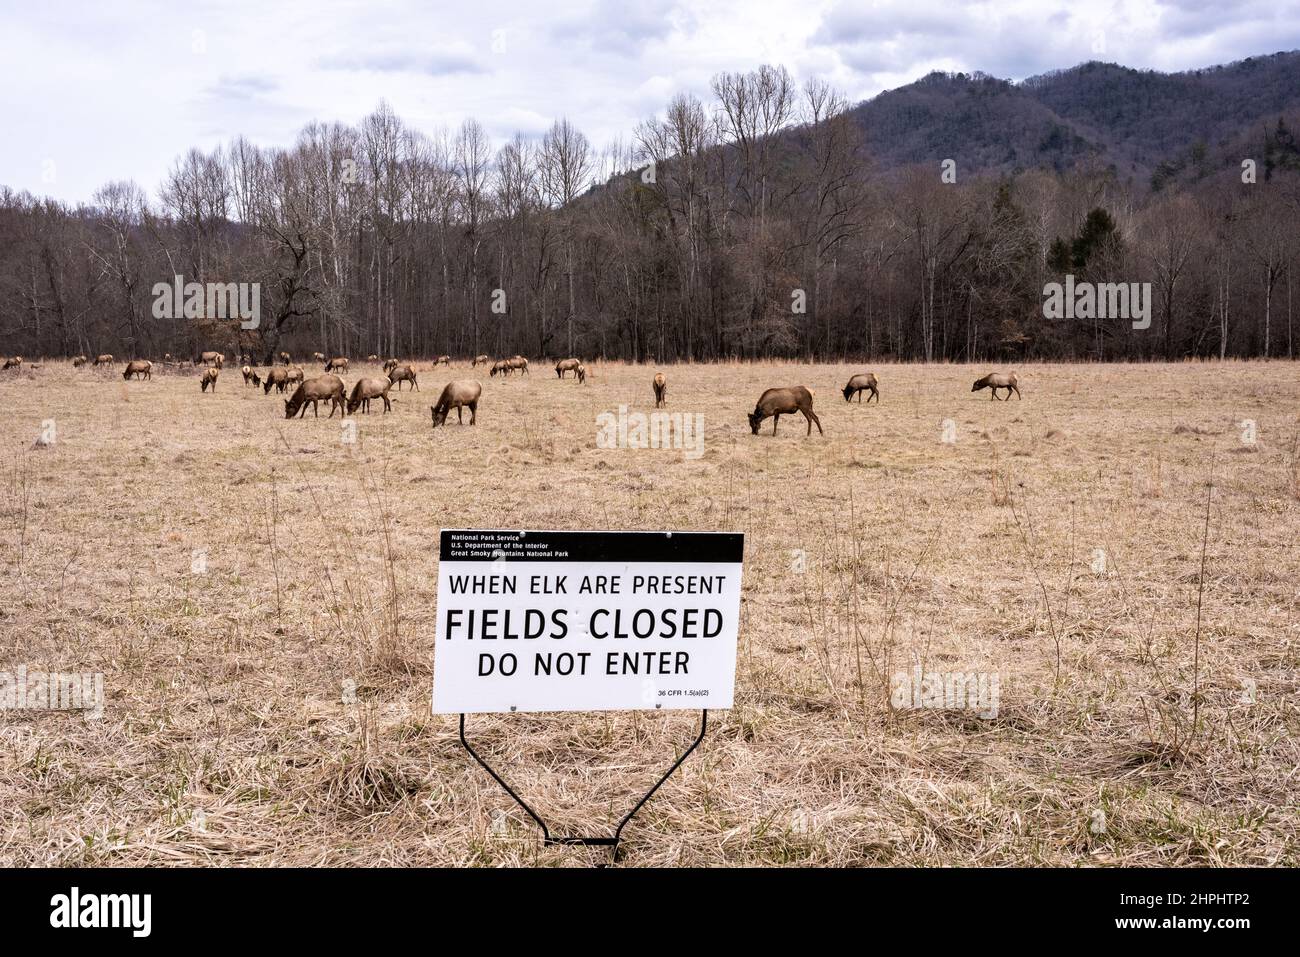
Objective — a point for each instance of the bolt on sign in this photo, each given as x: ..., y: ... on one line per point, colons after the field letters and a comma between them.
x: 586, y: 621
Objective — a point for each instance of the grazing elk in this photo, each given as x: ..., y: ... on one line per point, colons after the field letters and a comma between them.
x: 480, y: 360
x: 501, y: 365
x: 863, y: 382
x: 103, y: 360
x: 520, y: 363
x: 140, y: 368
x: 661, y: 390
x: 462, y: 394
x: 78, y: 361
x: 250, y: 376
x: 400, y: 374
x: 775, y: 402
x: 316, y: 389
x: 995, y: 381
x: 367, y: 389
x: 566, y: 365
x: 278, y: 377
x: 209, y: 379
x: 337, y: 364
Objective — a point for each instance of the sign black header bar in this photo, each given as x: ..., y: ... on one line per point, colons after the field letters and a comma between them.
x: 513, y: 545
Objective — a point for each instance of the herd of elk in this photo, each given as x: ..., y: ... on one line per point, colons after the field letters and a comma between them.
x: 458, y: 395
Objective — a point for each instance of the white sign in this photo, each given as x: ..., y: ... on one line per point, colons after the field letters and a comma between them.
x: 586, y: 621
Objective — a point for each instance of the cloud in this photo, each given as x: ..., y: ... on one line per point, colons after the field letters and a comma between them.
x: 437, y: 62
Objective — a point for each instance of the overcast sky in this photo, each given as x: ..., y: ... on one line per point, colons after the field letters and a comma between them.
x: 95, y: 92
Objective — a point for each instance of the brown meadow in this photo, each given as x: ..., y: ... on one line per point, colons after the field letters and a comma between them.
x: 259, y: 595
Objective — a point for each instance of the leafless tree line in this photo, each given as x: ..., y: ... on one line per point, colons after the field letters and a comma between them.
x: 751, y: 225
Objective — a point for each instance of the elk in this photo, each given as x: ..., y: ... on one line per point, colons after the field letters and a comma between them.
x: 140, y: 368
x: 480, y: 360
x: 316, y: 389
x: 775, y: 402
x: 338, y: 363
x: 501, y: 365
x: 78, y: 361
x: 275, y: 377
x: 998, y: 380
x: 582, y: 373
x: 209, y: 379
x: 400, y: 374
x: 566, y: 365
x: 318, y: 356
x: 103, y: 360
x: 285, y: 358
x: 661, y: 390
x: 14, y: 362
x: 295, y: 375
x: 520, y: 363
x: 863, y: 382
x: 442, y: 361
x: 367, y: 389
x: 372, y: 358
x: 463, y: 393
x: 389, y: 365
x: 210, y: 359
x: 250, y: 376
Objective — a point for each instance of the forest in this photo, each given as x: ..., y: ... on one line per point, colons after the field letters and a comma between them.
x: 770, y: 219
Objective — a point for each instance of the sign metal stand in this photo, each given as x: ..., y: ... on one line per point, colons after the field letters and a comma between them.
x: 610, y: 842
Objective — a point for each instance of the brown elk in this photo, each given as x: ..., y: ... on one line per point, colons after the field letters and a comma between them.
x: 775, y: 402
x: 367, y: 389
x: 103, y: 360
x: 566, y: 365
x: 863, y: 382
x: 400, y: 374
x: 250, y: 376
x: 210, y: 359
x: 372, y: 358
x: 520, y: 363
x: 501, y: 365
x: 389, y: 365
x: 140, y: 368
x: 337, y: 364
x: 998, y: 380
x: 14, y: 362
x: 661, y: 390
x: 78, y: 361
x: 480, y: 360
x: 582, y: 373
x: 278, y: 377
x: 318, y: 356
x: 295, y: 375
x: 316, y: 389
x: 462, y: 394
x: 442, y: 361
x: 209, y: 379
x: 286, y: 358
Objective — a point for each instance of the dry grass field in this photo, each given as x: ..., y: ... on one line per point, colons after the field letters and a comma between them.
x: 272, y: 708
